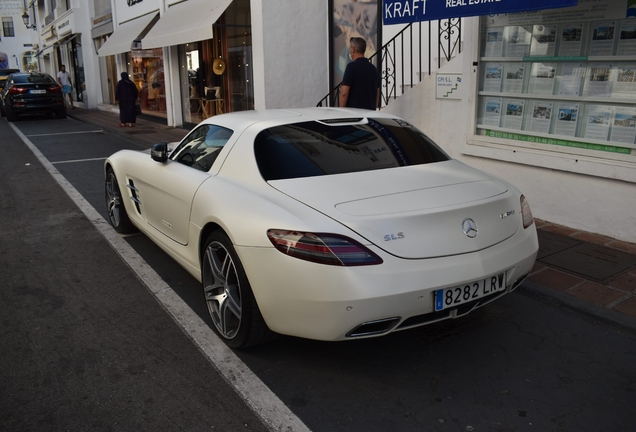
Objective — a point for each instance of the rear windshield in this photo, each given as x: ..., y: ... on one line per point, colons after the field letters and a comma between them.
x: 35, y: 79
x: 315, y: 148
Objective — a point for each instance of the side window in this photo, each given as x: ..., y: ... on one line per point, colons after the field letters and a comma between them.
x: 201, y: 147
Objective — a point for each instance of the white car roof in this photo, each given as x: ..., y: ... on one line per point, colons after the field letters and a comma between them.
x: 242, y: 119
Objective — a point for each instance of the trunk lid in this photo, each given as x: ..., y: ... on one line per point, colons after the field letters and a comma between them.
x: 417, y: 211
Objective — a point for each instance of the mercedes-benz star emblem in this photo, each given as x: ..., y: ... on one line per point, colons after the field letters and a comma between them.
x: 470, y: 228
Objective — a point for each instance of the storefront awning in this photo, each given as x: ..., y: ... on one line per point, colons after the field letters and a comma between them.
x: 44, y: 50
x: 185, y: 22
x: 123, y: 37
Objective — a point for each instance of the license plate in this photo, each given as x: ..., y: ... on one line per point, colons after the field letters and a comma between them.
x: 37, y: 91
x: 455, y: 296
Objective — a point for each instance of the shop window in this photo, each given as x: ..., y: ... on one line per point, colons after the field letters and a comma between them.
x: 554, y: 83
x: 29, y: 61
x: 7, y: 27
x: 148, y: 74
x: 216, y: 74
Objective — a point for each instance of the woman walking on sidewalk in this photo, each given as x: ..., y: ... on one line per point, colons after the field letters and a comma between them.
x: 126, y: 94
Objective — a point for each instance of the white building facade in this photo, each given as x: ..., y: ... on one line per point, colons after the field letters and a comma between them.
x: 545, y: 99
x: 547, y: 102
x: 16, y: 47
x: 196, y: 58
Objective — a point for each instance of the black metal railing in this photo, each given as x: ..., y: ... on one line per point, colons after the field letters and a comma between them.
x: 407, y: 58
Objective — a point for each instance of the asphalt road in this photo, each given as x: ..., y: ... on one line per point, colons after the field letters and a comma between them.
x: 86, y: 346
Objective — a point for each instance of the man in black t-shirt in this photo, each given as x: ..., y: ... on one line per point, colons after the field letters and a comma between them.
x: 361, y: 81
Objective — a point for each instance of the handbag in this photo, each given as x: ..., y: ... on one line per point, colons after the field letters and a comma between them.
x: 137, y: 108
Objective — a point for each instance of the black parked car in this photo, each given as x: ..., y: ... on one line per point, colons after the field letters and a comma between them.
x: 31, y: 93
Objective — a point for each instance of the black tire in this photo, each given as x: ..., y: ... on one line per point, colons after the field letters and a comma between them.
x: 11, y: 115
x: 117, y: 215
x: 61, y: 114
x: 229, y: 297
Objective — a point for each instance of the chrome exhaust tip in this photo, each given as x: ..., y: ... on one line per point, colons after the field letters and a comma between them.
x: 373, y: 328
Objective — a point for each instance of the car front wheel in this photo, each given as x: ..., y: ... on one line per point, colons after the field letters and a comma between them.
x: 117, y: 215
x: 231, y: 303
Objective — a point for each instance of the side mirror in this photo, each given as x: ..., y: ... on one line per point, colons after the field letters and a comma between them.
x: 159, y: 152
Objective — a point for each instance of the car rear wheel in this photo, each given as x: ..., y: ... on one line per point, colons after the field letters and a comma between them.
x: 117, y: 215
x: 11, y: 115
x: 231, y: 303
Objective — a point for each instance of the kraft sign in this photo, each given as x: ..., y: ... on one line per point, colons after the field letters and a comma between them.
x: 406, y: 11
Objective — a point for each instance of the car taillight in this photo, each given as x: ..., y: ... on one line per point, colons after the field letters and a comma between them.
x: 18, y: 90
x: 55, y: 89
x: 322, y: 248
x: 526, y: 213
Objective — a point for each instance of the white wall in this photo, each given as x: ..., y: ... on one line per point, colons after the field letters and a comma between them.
x: 291, y: 66
x: 14, y: 46
x: 83, y: 26
x: 599, y: 205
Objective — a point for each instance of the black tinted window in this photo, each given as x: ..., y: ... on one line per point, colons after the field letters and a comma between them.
x: 315, y: 148
x: 34, y: 79
x: 201, y: 147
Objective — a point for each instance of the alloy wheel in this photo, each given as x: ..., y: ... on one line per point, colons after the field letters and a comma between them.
x: 113, y: 200
x: 222, y: 290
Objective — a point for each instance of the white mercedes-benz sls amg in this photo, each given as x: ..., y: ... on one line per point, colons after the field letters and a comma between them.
x: 322, y: 223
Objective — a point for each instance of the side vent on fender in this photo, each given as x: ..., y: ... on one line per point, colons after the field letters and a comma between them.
x: 135, y: 195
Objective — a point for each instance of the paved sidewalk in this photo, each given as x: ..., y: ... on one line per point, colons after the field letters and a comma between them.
x: 145, y: 131
x: 591, y: 274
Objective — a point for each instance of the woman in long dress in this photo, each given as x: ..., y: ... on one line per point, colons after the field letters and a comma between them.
x: 126, y: 94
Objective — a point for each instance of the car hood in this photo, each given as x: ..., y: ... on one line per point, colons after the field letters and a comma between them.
x: 417, y: 211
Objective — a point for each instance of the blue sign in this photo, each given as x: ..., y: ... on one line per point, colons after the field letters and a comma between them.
x: 407, y: 11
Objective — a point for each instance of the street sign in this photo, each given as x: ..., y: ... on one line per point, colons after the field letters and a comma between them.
x: 407, y: 11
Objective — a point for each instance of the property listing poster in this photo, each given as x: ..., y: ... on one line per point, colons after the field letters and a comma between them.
x: 517, y: 41
x: 571, y: 78
x: 602, y: 43
x: 543, y: 40
x: 541, y: 116
x: 623, y: 125
x: 624, y: 86
x: 494, y: 42
x: 514, y: 74
x: 566, y: 119
x: 492, y: 112
x: 542, y: 78
x: 571, y: 39
x: 597, y: 82
x: 492, y: 78
x: 627, y: 38
x: 513, y: 118
x: 598, y: 122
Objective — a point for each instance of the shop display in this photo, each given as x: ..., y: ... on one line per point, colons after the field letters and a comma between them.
x: 570, y: 81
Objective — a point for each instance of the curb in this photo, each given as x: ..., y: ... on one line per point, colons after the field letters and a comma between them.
x: 598, y: 313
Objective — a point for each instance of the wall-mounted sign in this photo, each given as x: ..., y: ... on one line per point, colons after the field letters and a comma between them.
x: 449, y: 86
x: 65, y: 26
x: 407, y: 11
x: 585, y: 10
